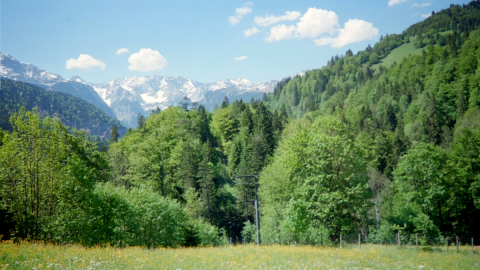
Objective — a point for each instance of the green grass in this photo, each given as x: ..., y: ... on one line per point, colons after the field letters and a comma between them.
x: 40, y: 256
x: 444, y: 33
x: 397, y: 54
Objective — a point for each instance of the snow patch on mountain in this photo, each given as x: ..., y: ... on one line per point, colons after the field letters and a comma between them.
x: 125, y: 98
x: 151, y: 92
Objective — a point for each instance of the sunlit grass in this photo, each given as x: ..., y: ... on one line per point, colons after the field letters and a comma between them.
x: 41, y: 256
x: 397, y: 54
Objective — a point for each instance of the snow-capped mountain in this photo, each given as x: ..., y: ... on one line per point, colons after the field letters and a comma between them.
x: 13, y: 69
x: 125, y: 95
x: 126, y: 98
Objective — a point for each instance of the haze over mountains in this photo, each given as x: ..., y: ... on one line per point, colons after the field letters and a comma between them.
x: 125, y: 98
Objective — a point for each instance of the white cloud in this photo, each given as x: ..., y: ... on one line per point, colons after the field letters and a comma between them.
x: 122, y: 51
x: 353, y: 31
x: 240, y: 13
x: 241, y: 58
x: 316, y: 22
x: 251, y: 31
x: 280, y: 32
x: 425, y: 4
x: 312, y: 24
x: 233, y: 20
x: 84, y: 61
x: 147, y: 60
x: 426, y: 15
x: 395, y: 2
x: 270, y: 19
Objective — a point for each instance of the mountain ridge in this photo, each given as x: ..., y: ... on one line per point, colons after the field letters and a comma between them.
x: 125, y: 98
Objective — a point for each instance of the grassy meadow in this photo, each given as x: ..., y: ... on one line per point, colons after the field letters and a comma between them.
x: 41, y: 256
x: 397, y: 54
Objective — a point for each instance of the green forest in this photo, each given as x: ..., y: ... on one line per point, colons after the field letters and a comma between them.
x: 71, y: 111
x: 365, y: 144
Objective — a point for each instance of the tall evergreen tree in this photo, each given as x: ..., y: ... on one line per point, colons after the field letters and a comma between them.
x: 114, y: 134
x: 225, y: 102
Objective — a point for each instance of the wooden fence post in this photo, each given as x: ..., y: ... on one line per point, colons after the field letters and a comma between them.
x: 340, y: 240
x: 457, y: 243
x: 447, y: 244
x: 472, y: 245
x: 416, y: 239
x: 359, y: 241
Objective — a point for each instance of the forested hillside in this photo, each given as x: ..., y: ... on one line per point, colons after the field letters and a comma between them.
x: 70, y: 110
x: 410, y: 131
x: 358, y: 146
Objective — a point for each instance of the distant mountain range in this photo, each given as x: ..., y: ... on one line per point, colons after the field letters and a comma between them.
x: 70, y: 110
x: 125, y: 98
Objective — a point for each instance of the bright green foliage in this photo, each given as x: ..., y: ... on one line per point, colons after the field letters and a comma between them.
x: 224, y: 126
x: 420, y: 181
x: 323, y: 183
x: 413, y: 119
x: 142, y: 218
x: 46, y: 179
x: 174, y: 155
x: 428, y: 96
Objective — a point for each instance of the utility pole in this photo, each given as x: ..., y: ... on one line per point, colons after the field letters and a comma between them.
x: 257, y: 214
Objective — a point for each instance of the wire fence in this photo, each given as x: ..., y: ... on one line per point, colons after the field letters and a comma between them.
x: 424, y: 242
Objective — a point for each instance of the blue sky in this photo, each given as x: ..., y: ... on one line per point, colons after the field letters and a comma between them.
x: 203, y: 40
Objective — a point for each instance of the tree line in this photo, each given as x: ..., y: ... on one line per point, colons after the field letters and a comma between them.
x: 353, y: 147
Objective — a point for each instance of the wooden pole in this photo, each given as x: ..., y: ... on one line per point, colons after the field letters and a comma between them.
x: 257, y: 215
x: 447, y: 244
x: 416, y: 239
x: 359, y: 241
x: 340, y: 240
x: 472, y: 245
x: 457, y: 243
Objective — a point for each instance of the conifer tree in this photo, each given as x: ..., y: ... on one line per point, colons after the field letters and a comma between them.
x: 114, y: 134
x: 225, y: 102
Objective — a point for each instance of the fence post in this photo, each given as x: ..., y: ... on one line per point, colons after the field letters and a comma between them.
x: 447, y: 244
x: 416, y: 239
x: 472, y: 245
x: 399, y: 238
x: 457, y: 243
x: 321, y: 240
x: 340, y: 240
x: 359, y: 241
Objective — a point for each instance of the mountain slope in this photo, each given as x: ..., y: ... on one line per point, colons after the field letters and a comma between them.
x: 417, y: 122
x: 13, y: 69
x: 125, y: 98
x: 129, y: 96
x: 70, y: 110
